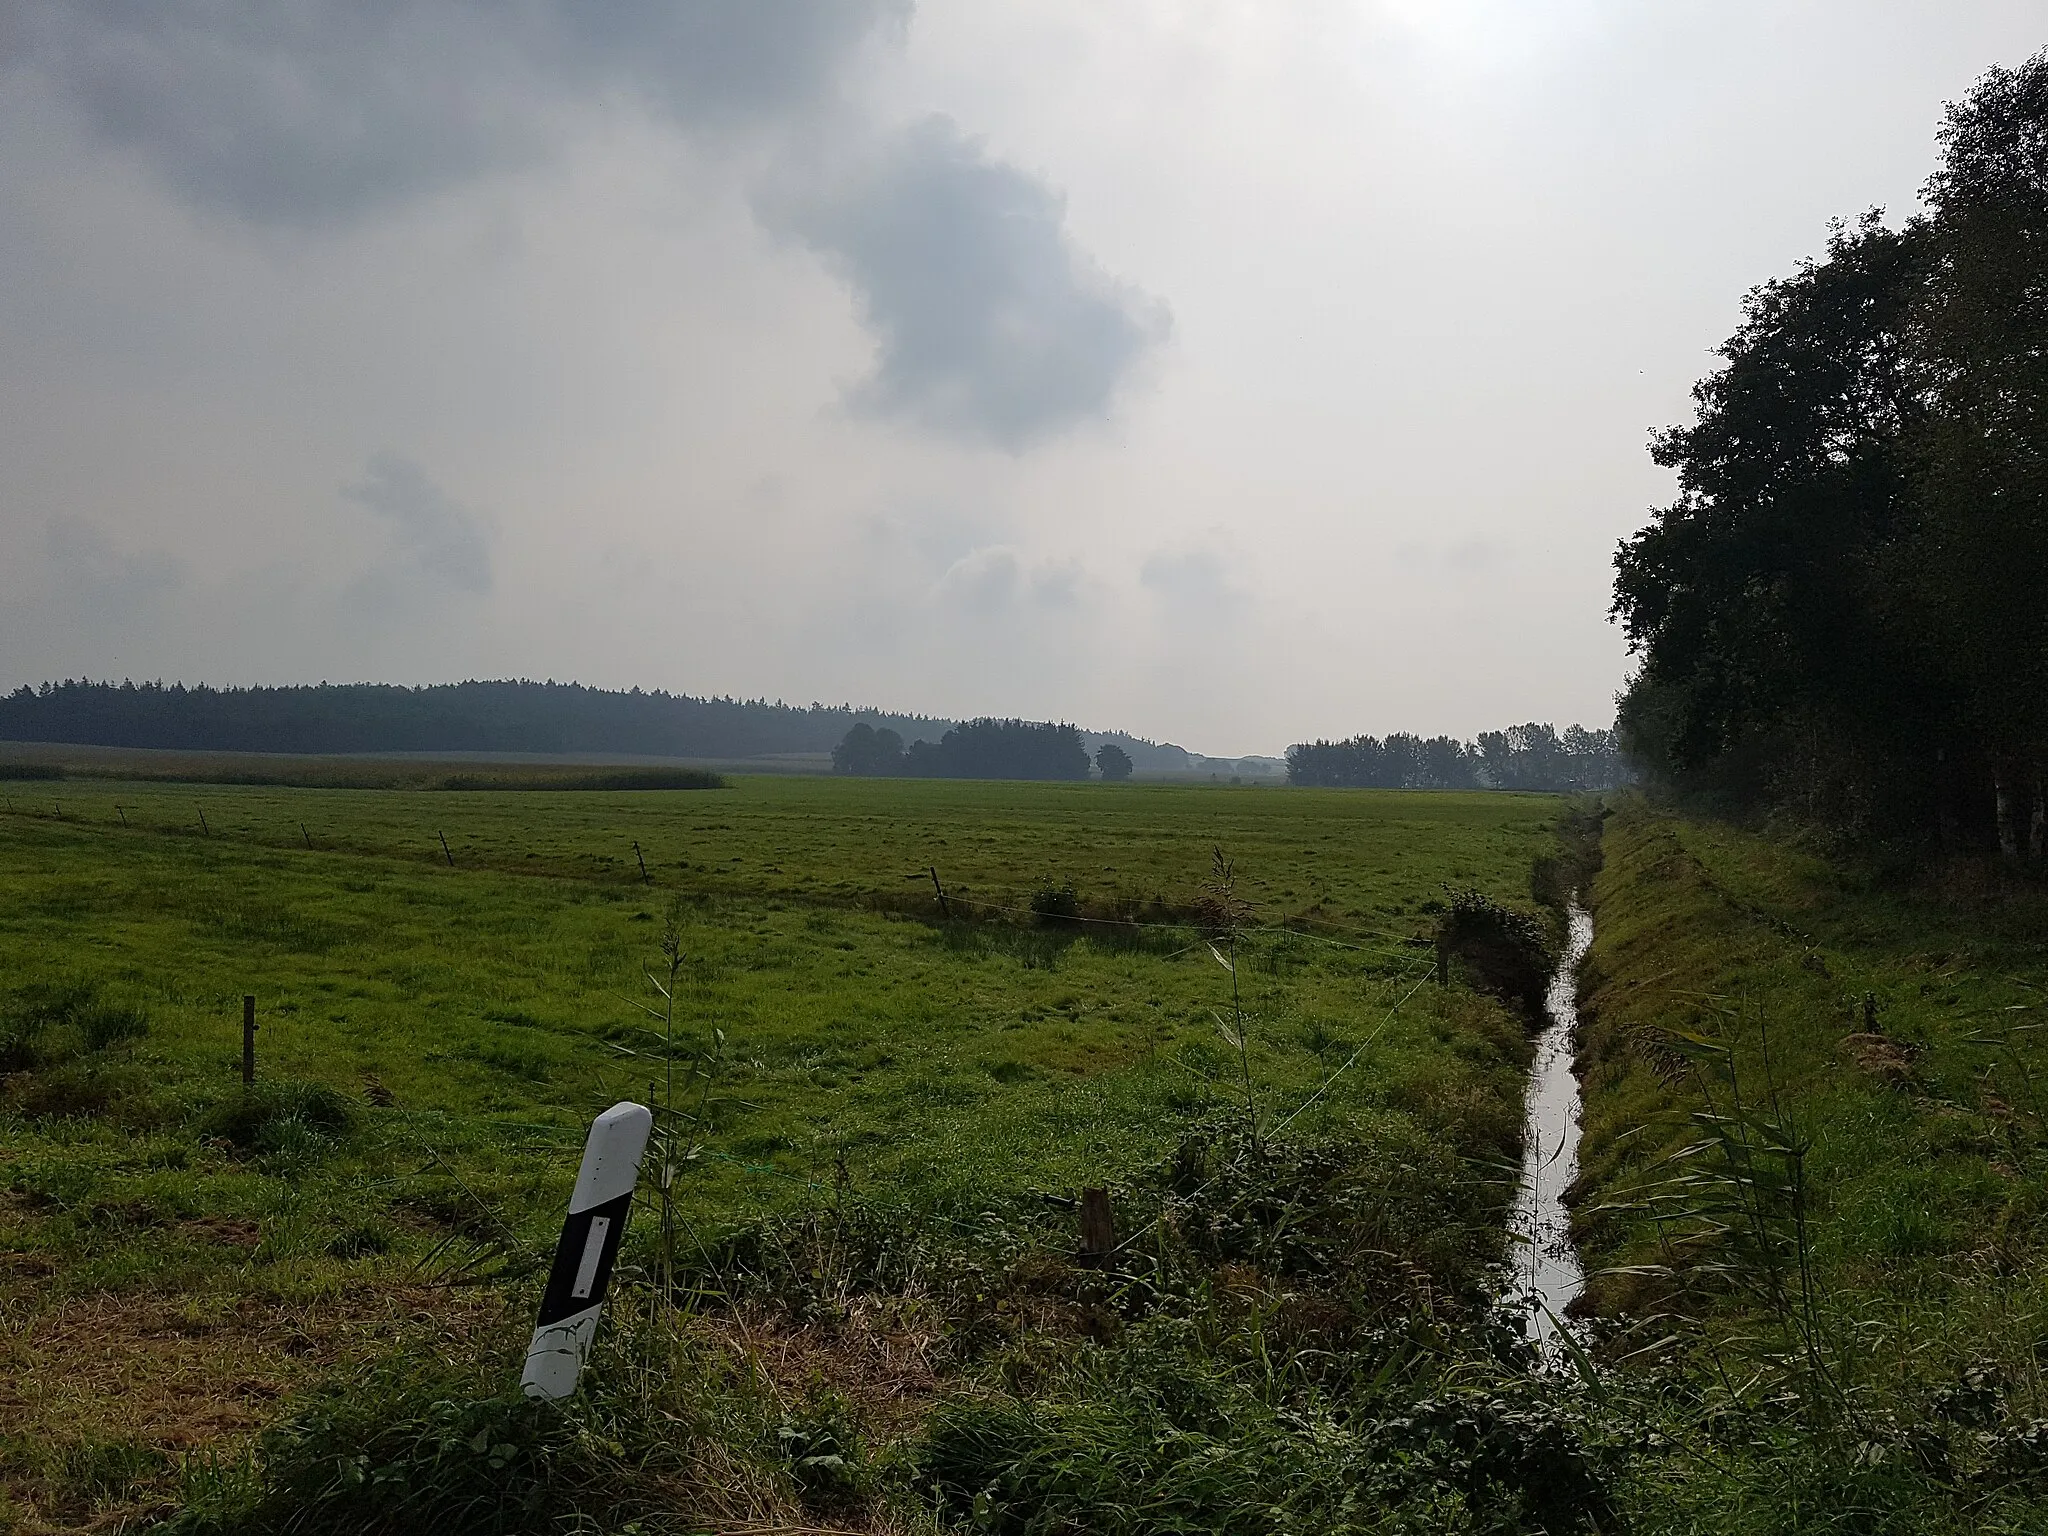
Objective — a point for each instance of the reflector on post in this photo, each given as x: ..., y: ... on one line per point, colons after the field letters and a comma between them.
x: 583, y: 1258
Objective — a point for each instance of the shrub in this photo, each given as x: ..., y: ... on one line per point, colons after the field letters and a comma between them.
x: 1506, y: 951
x: 670, y: 1433
x: 1056, y: 906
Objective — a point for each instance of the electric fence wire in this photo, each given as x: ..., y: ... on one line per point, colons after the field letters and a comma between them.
x: 1396, y: 940
x: 1400, y: 942
x: 961, y: 1224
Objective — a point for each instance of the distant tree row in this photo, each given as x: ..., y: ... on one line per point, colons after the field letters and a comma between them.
x: 1844, y: 613
x: 445, y: 717
x: 979, y: 749
x: 1530, y: 757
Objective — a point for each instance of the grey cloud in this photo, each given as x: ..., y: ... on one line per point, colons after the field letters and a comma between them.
x: 991, y: 324
x: 437, y: 536
x: 994, y: 580
x: 309, y: 111
x: 105, y: 581
x: 72, y: 602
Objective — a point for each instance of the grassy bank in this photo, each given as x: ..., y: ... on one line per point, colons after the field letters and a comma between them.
x: 1815, y: 1183
x: 874, y: 1315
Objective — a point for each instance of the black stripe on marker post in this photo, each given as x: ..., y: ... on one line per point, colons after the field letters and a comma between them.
x: 583, y: 1259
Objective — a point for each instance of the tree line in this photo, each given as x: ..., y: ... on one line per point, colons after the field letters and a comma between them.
x: 979, y: 749
x: 521, y: 716
x: 1844, y: 613
x: 1526, y: 757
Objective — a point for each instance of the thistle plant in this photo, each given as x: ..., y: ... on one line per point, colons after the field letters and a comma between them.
x: 1225, y: 916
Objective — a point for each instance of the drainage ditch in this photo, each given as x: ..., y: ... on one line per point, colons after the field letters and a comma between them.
x: 1545, y: 1272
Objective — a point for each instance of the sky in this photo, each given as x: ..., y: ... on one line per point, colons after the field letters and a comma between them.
x: 1226, y: 372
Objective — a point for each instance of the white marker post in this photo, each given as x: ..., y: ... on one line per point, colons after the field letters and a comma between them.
x: 583, y: 1259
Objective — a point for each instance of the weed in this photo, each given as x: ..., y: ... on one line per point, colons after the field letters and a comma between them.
x: 682, y: 1114
x: 1156, y: 1439
x: 1225, y: 915
x: 1735, y: 1198
x: 107, y: 1471
x: 282, y: 1117
x: 821, y: 1448
x: 396, y: 1451
x: 361, y: 1241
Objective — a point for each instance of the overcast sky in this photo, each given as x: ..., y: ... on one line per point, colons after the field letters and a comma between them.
x: 1230, y: 373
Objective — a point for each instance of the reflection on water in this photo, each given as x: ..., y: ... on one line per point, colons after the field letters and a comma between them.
x: 1546, y: 1265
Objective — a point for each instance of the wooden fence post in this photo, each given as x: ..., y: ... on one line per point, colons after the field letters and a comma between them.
x: 248, y: 1040
x: 1098, y: 1227
x: 945, y: 907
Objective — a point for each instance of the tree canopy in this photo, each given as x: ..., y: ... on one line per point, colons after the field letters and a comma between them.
x: 1531, y: 757
x: 445, y: 717
x: 979, y: 749
x: 1843, y: 611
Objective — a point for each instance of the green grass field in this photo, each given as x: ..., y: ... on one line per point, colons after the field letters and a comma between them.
x: 1815, y: 1186
x: 1812, y: 1189
x: 177, y: 1258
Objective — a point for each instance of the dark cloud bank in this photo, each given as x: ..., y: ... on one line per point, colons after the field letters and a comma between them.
x: 990, y: 324
x: 308, y: 111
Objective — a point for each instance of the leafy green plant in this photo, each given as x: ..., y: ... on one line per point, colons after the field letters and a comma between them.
x: 821, y: 1447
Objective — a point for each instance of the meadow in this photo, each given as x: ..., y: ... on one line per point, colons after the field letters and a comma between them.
x: 450, y: 982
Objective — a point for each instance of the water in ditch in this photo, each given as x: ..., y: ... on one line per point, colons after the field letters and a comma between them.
x: 1545, y: 1272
